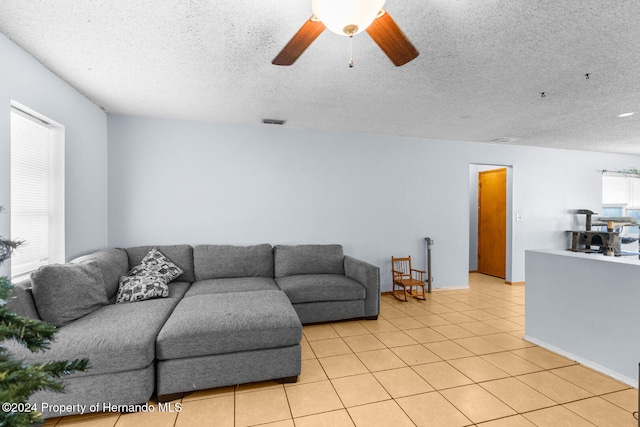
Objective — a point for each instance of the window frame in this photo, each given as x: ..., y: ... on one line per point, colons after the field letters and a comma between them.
x: 55, y: 241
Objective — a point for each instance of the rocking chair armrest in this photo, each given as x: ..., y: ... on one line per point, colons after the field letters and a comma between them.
x: 420, y: 275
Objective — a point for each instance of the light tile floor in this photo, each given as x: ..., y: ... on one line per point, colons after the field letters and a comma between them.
x: 457, y: 359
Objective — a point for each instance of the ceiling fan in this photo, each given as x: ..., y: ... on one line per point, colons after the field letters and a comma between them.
x: 348, y: 18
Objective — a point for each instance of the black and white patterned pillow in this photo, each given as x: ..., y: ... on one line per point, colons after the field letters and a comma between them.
x: 140, y: 288
x: 148, y: 279
x: 155, y: 263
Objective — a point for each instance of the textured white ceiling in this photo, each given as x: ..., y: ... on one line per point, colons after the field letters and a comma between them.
x: 482, y: 67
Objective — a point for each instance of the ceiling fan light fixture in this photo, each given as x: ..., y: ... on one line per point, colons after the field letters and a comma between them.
x: 347, y: 17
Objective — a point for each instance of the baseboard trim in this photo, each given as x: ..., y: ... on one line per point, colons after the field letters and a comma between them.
x: 452, y: 288
x: 633, y: 382
x: 514, y: 283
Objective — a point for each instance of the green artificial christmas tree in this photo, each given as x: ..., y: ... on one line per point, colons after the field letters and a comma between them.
x: 20, y: 380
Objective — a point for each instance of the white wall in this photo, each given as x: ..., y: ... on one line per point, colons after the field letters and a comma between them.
x: 25, y: 80
x: 173, y: 181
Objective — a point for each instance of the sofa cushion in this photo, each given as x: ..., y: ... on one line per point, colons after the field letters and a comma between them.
x: 115, y: 338
x: 236, y: 284
x: 225, y: 261
x: 321, y: 287
x: 113, y: 263
x: 227, y: 323
x: 181, y: 255
x: 66, y: 292
x: 178, y: 289
x: 308, y: 259
x: 21, y: 301
x: 156, y: 264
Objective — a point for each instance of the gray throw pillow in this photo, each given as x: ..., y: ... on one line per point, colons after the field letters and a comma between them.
x: 66, y: 292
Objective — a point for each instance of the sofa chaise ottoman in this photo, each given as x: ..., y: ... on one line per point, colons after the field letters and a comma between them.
x: 217, y: 340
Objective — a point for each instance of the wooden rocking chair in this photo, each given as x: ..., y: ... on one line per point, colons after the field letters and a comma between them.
x: 406, y: 279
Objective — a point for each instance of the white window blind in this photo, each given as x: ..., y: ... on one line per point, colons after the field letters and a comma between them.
x: 621, y: 189
x: 33, y: 199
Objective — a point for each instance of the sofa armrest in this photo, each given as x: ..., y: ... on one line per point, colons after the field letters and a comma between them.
x: 21, y: 301
x: 369, y: 276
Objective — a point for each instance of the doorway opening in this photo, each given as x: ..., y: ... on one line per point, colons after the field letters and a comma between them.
x: 490, y: 213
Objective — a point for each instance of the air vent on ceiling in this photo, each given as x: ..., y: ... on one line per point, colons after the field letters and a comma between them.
x: 504, y: 140
x: 273, y: 121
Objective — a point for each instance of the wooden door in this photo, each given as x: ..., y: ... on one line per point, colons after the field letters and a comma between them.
x: 492, y: 222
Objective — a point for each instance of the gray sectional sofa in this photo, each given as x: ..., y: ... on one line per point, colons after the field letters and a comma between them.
x: 233, y: 316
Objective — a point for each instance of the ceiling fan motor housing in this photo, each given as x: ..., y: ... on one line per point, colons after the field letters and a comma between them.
x: 346, y: 17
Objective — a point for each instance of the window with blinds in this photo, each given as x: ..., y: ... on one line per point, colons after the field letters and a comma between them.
x: 621, y: 196
x: 36, y: 188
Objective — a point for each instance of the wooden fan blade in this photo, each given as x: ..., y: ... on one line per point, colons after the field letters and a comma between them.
x: 386, y: 33
x: 299, y: 42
